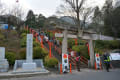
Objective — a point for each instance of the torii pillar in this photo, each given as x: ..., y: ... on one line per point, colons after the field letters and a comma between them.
x: 89, y: 37
x: 64, y: 42
x: 91, y: 49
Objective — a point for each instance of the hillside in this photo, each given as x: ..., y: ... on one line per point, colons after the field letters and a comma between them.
x: 10, y: 40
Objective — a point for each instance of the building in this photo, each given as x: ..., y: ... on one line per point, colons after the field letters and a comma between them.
x: 3, y: 22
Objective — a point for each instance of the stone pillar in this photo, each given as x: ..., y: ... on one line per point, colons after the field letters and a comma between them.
x: 2, y: 53
x: 65, y: 62
x: 64, y: 42
x: 4, y: 66
x: 29, y: 55
x: 29, y: 64
x: 92, y: 58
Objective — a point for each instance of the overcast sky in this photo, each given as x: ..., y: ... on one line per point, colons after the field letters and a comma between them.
x: 46, y: 7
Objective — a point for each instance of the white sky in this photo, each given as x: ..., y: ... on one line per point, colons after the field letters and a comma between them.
x: 46, y: 7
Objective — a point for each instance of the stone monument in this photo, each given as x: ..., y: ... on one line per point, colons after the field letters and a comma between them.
x: 29, y: 64
x: 4, y: 66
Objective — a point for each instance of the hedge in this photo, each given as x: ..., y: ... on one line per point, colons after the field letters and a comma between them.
x: 102, y: 44
x: 11, y: 57
x: 2, y: 37
x: 51, y: 62
x: 23, y: 35
x: 23, y: 42
x: 14, y: 32
x: 22, y: 53
x: 38, y: 53
x: 24, y: 31
x: 82, y: 49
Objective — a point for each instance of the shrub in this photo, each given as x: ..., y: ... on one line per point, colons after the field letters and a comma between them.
x: 36, y: 44
x: 99, y: 44
x: 60, y: 39
x: 23, y: 35
x: 24, y: 31
x: 115, y: 44
x: 71, y: 42
x: 39, y: 53
x: 2, y: 37
x: 14, y: 32
x: 22, y: 53
x: 11, y: 57
x: 82, y: 49
x: 99, y: 51
x: 76, y: 48
x: 50, y: 62
x: 51, y: 34
x: 23, y: 42
x: 81, y: 42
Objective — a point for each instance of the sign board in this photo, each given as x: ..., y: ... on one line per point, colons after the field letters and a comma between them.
x: 2, y: 53
x: 65, y: 63
x: 97, y: 59
x: 4, y: 26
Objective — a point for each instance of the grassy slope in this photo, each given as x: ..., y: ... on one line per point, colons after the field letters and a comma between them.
x: 10, y: 40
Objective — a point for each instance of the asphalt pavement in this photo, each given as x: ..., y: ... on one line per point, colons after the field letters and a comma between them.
x: 85, y: 74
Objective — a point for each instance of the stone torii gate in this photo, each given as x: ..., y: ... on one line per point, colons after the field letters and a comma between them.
x: 65, y: 35
x: 85, y: 35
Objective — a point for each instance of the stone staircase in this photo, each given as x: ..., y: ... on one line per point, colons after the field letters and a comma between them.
x: 57, y: 53
x: 54, y: 53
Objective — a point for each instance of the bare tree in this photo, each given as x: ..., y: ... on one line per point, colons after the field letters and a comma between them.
x: 2, y: 8
x: 86, y: 15
x: 64, y: 10
x: 76, y: 6
x: 18, y: 12
x: 78, y: 10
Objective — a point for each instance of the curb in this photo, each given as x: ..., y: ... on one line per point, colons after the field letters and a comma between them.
x: 21, y: 75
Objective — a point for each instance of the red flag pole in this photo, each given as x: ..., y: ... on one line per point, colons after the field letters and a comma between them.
x: 49, y: 49
x: 88, y: 49
x: 41, y: 41
x: 76, y: 43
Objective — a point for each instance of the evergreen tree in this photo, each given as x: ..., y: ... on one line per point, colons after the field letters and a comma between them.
x: 30, y: 19
x: 40, y: 21
x: 108, y: 22
x: 116, y: 21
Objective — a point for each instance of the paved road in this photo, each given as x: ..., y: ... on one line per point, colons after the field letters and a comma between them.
x: 83, y: 75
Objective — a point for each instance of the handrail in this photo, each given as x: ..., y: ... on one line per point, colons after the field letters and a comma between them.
x: 72, y: 61
x: 83, y: 59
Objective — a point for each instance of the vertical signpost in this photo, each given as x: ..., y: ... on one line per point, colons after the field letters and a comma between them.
x: 65, y: 63
x: 97, y: 60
